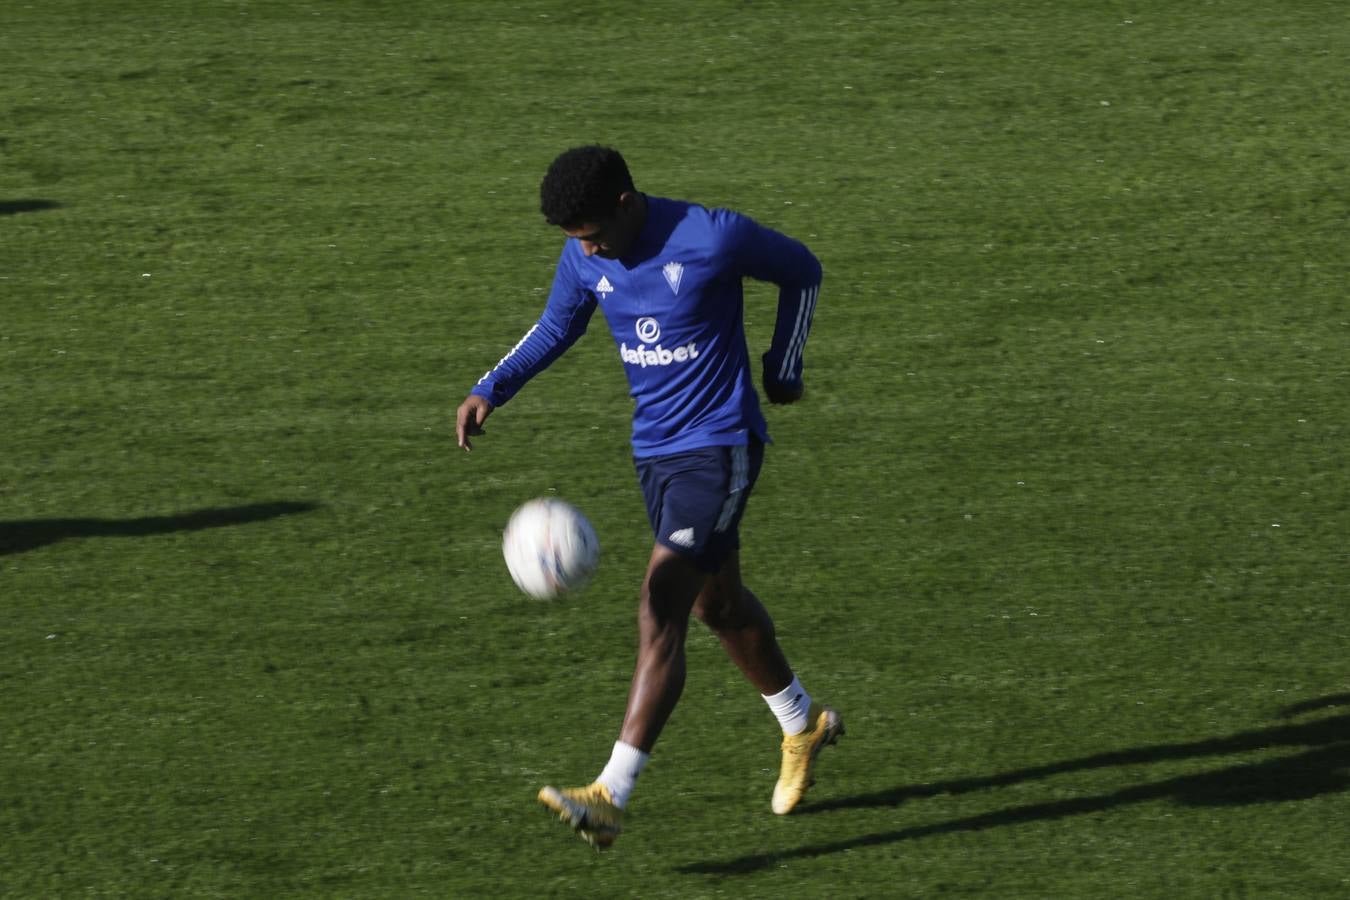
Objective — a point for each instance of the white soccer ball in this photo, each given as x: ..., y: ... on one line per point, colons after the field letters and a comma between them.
x: 550, y: 548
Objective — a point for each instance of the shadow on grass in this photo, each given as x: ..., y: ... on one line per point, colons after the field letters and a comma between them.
x: 14, y: 207
x: 1323, y: 768
x: 29, y: 534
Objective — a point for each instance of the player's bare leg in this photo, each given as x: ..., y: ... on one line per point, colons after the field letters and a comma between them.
x: 747, y: 634
x: 743, y: 626
x: 668, y: 593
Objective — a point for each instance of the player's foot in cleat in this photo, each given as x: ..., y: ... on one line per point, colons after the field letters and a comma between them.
x: 589, y: 810
x: 824, y: 725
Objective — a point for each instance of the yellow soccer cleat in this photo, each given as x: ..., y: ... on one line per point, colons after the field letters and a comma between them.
x: 589, y: 810
x: 824, y: 725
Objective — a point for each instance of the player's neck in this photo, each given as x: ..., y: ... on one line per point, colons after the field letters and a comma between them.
x: 640, y: 214
x: 639, y: 224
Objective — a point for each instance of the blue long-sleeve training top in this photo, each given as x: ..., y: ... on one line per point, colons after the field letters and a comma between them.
x: 675, y: 306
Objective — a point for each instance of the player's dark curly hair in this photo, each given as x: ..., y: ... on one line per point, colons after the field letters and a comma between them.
x: 583, y: 186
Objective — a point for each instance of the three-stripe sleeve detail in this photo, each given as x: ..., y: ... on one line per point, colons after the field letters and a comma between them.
x: 800, y: 328
x: 510, y: 353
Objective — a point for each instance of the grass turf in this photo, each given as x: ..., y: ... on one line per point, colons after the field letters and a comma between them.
x: 1061, y: 526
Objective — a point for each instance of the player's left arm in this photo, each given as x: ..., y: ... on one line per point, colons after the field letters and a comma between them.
x: 768, y: 255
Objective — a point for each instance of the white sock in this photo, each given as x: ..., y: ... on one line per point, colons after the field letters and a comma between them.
x: 790, y: 705
x: 621, y: 772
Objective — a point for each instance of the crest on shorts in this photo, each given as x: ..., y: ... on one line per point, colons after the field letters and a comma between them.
x: 674, y: 272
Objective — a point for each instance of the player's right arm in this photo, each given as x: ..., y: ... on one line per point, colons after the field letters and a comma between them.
x: 564, y: 319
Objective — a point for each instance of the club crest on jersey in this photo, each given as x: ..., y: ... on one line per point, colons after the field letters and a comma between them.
x: 674, y: 272
x: 604, y: 288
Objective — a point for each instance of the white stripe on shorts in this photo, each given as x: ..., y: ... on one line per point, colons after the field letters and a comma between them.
x: 740, y: 473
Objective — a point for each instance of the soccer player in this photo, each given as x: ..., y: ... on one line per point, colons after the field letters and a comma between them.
x: 667, y: 276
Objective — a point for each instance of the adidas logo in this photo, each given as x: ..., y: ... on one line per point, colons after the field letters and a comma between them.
x: 603, y: 287
x: 684, y: 537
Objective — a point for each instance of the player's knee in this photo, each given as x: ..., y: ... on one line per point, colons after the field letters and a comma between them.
x: 661, y: 633
x: 716, y: 620
x: 719, y: 606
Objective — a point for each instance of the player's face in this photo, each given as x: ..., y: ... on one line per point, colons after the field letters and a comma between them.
x: 606, y: 238
x: 612, y: 236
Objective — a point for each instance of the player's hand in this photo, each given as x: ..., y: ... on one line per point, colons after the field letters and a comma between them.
x: 469, y: 419
x: 777, y: 392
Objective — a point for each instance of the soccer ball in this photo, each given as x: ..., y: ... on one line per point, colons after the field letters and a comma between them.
x: 550, y: 548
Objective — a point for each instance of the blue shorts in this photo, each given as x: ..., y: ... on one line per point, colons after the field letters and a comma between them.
x: 695, y: 499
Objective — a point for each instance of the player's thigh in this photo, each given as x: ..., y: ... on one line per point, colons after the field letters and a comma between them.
x: 671, y: 586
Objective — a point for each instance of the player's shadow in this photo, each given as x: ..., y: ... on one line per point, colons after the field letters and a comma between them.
x: 29, y: 534
x: 1322, y: 768
x: 14, y: 207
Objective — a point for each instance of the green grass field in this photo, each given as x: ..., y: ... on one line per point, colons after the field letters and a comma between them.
x: 1061, y: 526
